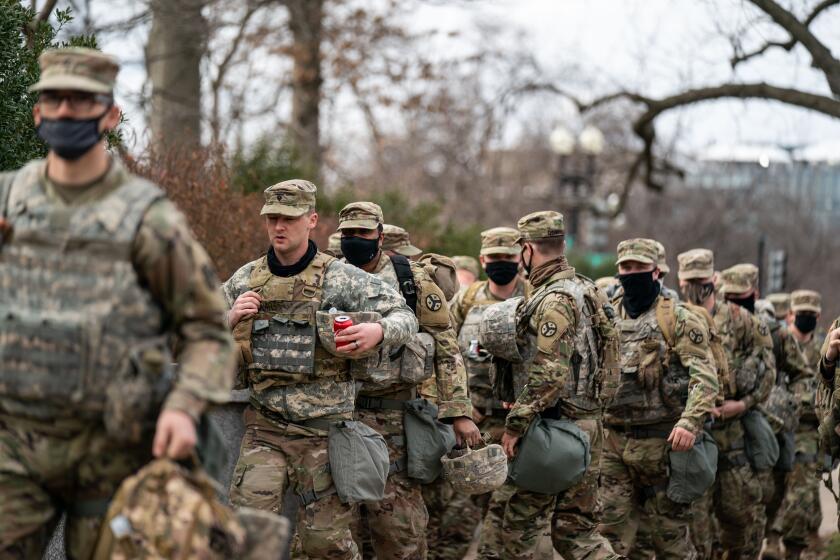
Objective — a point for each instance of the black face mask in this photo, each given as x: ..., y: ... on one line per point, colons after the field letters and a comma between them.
x: 70, y: 138
x: 805, y: 322
x: 502, y: 272
x: 747, y: 303
x: 526, y: 265
x: 359, y: 251
x: 640, y: 291
x: 697, y: 293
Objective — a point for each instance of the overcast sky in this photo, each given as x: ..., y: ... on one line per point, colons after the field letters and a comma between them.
x: 653, y: 46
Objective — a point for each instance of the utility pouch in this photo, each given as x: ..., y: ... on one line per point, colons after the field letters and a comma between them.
x: 693, y: 471
x: 427, y: 440
x: 358, y: 462
x: 759, y: 441
x: 417, y: 360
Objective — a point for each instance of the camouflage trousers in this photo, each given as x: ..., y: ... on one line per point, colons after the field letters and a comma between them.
x: 397, y: 524
x: 735, y: 500
x: 47, y: 467
x: 270, y: 459
x: 571, y: 517
x: 634, y: 476
x: 454, y: 517
x: 800, y: 516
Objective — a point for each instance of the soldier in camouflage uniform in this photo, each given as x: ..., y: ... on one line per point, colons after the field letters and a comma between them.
x: 799, y: 517
x: 662, y: 262
x: 299, y: 386
x: 398, y: 523
x: 467, y: 270
x: 827, y: 404
x: 735, y: 498
x: 396, y: 240
x: 97, y: 270
x: 568, y: 318
x: 499, y: 246
x: 668, y: 386
x: 781, y: 305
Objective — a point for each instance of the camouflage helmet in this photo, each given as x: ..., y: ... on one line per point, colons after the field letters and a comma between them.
x: 498, y: 331
x: 765, y: 307
x: 661, y: 258
x: 781, y: 303
x: 476, y: 471
x: 805, y: 300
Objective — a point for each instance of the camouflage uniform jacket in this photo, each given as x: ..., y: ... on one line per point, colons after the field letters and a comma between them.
x: 827, y: 372
x: 747, y: 343
x: 458, y: 309
x: 553, y: 323
x: 451, y: 394
x: 703, y: 384
x: 176, y: 270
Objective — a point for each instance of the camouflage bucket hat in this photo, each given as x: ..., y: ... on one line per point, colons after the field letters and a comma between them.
x: 737, y: 280
x: 638, y: 249
x: 500, y: 241
x: 463, y: 262
x: 781, y: 303
x: 541, y: 225
x: 291, y: 198
x: 661, y: 259
x: 397, y: 240
x: 78, y: 69
x: 362, y: 215
x: 805, y: 300
x: 696, y: 263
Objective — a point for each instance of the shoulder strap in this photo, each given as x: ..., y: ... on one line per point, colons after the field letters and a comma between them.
x: 469, y: 296
x: 405, y: 279
x: 666, y: 318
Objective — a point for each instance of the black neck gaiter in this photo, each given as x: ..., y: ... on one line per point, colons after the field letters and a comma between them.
x: 805, y: 322
x: 640, y: 291
x: 747, y: 303
x: 284, y: 271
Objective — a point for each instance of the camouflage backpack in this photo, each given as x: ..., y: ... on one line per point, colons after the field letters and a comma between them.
x: 168, y: 511
x: 726, y: 377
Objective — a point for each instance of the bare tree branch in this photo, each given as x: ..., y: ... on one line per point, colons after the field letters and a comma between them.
x: 45, y: 12
x: 820, y: 54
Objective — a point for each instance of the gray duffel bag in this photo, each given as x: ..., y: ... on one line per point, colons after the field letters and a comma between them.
x: 553, y: 456
x: 358, y: 462
x: 427, y: 440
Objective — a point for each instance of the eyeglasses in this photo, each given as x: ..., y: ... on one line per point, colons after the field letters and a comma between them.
x: 77, y: 100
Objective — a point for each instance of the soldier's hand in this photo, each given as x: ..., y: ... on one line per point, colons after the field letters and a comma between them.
x: 478, y: 417
x: 509, y: 444
x: 175, y: 435
x: 729, y: 409
x: 359, y: 338
x: 466, y: 431
x: 244, y: 307
x: 681, y: 439
x: 833, y: 345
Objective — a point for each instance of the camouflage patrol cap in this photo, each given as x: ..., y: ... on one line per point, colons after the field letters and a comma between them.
x: 805, y: 300
x: 638, y: 249
x: 696, y: 263
x: 77, y: 68
x: 334, y: 244
x: 546, y: 224
x: 661, y: 259
x: 499, y: 241
x: 781, y: 303
x: 737, y: 279
x: 361, y: 215
x: 397, y: 240
x: 292, y: 198
x: 463, y: 262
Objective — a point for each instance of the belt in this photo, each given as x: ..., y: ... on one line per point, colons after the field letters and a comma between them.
x: 643, y: 432
x: 315, y: 423
x: 377, y: 403
x: 311, y: 496
x: 729, y: 462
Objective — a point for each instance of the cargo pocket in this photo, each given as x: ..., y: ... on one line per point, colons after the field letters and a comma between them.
x: 418, y: 358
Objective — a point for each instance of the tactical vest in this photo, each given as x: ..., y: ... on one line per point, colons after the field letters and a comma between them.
x: 644, y: 344
x: 476, y: 360
x: 72, y: 309
x: 594, y: 340
x: 288, y: 369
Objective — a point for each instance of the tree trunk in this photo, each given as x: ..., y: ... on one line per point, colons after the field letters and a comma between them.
x: 176, y: 45
x: 305, y: 21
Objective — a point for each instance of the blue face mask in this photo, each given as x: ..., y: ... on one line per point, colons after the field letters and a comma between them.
x: 70, y: 138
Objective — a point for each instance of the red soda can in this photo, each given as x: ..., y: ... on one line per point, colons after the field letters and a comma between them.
x: 340, y: 323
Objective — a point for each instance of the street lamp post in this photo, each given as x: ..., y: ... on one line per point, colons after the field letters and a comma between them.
x: 576, y: 169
